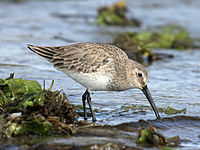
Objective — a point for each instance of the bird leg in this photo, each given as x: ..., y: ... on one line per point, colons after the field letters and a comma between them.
x: 84, y: 97
x: 90, y: 106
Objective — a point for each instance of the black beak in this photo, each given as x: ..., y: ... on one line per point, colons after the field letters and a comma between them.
x: 150, y: 99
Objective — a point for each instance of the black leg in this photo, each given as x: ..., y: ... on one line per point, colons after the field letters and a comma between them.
x: 90, y: 106
x: 84, y: 97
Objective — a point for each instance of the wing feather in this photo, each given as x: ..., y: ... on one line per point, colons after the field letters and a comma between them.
x: 79, y: 57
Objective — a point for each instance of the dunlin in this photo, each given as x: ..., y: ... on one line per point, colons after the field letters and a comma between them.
x: 98, y: 67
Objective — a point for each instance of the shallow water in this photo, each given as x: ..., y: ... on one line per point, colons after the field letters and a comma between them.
x: 172, y: 82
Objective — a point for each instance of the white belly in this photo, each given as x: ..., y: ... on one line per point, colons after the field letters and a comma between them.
x: 92, y: 81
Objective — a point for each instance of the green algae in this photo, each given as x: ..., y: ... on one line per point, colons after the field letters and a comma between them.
x: 79, y: 111
x: 168, y: 148
x: 115, y: 15
x: 27, y: 109
x: 171, y: 111
x: 133, y: 107
x: 168, y: 110
x: 107, y: 17
x: 32, y: 127
x: 129, y: 108
x: 169, y: 37
x: 23, y: 92
x: 139, y: 45
x: 150, y: 137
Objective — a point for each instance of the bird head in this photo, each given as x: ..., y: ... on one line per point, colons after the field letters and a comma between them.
x: 139, y: 79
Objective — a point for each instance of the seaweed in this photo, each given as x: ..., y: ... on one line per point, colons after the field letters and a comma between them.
x: 135, y: 108
x: 79, y: 110
x: 115, y: 15
x: 149, y: 137
x: 171, y: 111
x: 27, y: 109
x: 138, y: 45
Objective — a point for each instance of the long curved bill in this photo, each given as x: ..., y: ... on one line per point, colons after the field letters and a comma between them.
x: 150, y: 99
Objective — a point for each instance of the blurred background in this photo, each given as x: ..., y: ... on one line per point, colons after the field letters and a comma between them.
x: 164, y: 35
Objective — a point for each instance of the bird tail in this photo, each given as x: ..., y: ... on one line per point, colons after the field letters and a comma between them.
x: 45, y: 52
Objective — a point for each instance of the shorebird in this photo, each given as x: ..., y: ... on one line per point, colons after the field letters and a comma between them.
x: 98, y: 67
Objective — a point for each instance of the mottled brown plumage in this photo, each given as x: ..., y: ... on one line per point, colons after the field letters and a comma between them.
x: 97, y: 67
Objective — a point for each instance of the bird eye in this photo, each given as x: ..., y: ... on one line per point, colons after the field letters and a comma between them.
x: 139, y: 74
